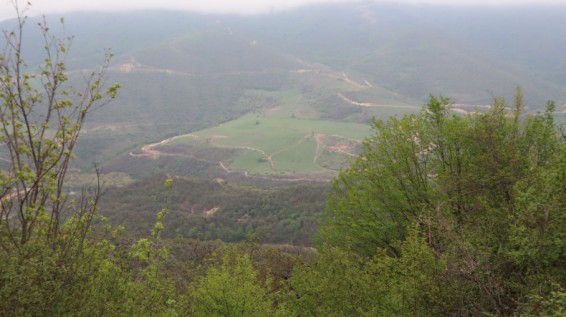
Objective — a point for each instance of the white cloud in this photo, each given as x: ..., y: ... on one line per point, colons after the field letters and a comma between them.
x: 217, y: 6
x: 209, y: 6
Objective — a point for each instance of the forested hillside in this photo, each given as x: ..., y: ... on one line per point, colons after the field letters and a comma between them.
x: 251, y: 166
x: 290, y: 95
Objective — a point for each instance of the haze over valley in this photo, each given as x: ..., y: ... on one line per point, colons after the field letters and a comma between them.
x: 283, y: 158
x: 286, y: 98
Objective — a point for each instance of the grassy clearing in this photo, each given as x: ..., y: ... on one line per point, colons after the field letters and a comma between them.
x: 289, y: 133
x: 298, y: 158
x: 276, y: 145
x: 251, y: 161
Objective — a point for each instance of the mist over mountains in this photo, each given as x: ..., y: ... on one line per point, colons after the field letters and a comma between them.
x: 333, y: 160
x: 183, y: 72
x: 469, y: 53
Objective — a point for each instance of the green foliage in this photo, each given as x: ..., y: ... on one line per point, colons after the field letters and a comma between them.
x: 152, y: 292
x: 374, y: 200
x: 41, y: 116
x: 551, y: 305
x: 91, y: 276
x: 487, y: 188
x: 343, y: 283
x: 335, y: 285
x: 53, y: 264
x: 231, y: 288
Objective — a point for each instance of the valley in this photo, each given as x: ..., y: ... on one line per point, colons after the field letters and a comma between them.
x: 268, y: 103
x: 343, y: 158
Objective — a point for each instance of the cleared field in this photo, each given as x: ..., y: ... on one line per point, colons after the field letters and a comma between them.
x: 282, y: 145
x: 313, y: 130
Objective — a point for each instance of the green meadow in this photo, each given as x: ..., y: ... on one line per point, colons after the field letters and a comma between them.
x: 281, y: 144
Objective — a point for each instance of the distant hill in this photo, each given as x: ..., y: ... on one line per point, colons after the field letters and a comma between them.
x: 466, y: 52
x: 183, y: 72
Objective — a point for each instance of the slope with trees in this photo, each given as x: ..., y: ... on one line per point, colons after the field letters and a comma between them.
x: 441, y: 214
x: 483, y: 194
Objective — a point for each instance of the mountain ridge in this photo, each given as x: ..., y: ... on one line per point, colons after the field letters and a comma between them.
x: 184, y: 72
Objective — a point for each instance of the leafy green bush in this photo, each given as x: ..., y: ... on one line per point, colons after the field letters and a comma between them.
x: 486, y: 188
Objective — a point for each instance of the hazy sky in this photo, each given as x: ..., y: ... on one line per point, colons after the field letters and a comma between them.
x: 218, y: 6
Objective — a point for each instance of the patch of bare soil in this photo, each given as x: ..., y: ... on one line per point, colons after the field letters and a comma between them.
x: 215, y: 138
x: 346, y: 149
x: 318, y: 137
x: 150, y: 151
x: 343, y: 76
x: 272, y: 111
x: 368, y: 104
x: 210, y: 212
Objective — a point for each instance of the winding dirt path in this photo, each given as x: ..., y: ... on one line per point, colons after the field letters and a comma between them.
x: 149, y: 151
x: 347, y: 79
x: 319, y: 147
x: 296, y: 179
x: 368, y: 104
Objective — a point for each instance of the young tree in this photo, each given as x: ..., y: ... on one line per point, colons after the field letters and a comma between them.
x: 49, y: 265
x: 231, y: 288
x: 41, y: 116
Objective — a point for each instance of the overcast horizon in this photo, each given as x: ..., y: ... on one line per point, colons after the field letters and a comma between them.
x: 225, y: 6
